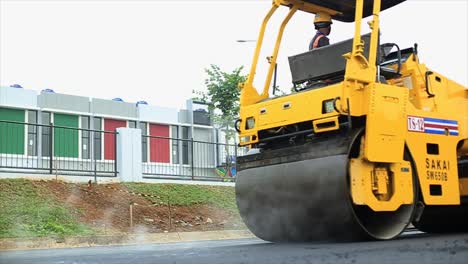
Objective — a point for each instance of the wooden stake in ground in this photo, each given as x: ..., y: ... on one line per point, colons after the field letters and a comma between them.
x: 56, y: 171
x: 170, y: 216
x: 131, y: 216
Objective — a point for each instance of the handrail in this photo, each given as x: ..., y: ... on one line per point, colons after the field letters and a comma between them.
x: 426, y: 75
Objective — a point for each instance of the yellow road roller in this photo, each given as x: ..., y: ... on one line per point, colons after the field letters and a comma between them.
x: 369, y: 141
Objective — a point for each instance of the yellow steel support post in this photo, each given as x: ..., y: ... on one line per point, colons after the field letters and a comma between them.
x: 374, y: 25
x: 275, y: 51
x: 249, y: 94
x: 361, y: 71
x: 357, y: 43
x: 357, y: 67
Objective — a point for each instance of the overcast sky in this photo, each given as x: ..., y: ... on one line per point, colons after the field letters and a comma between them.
x: 157, y: 50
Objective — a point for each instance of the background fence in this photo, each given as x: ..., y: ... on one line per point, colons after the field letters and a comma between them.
x: 173, y: 158
x: 37, y: 148
x: 67, y: 150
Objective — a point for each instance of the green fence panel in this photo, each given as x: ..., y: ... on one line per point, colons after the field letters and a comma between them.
x: 11, y: 135
x: 66, y: 139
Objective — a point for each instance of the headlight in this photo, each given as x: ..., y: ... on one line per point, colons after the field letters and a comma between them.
x: 245, y: 139
x: 250, y: 123
x: 327, y: 106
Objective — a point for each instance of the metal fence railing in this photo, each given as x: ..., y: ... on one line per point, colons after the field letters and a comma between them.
x: 37, y: 148
x: 62, y: 150
x: 173, y: 158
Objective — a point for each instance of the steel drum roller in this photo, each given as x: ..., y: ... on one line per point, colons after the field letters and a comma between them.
x: 309, y: 199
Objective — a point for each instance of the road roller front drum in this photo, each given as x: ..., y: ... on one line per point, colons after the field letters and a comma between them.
x: 302, y: 193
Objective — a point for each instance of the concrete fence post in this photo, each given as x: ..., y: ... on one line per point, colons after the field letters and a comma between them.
x: 129, y: 156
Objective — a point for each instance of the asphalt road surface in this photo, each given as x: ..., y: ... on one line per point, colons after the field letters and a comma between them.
x: 411, y: 248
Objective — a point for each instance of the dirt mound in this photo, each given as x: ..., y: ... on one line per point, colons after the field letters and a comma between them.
x: 106, y: 207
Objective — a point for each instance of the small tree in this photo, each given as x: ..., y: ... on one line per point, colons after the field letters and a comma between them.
x: 222, y: 97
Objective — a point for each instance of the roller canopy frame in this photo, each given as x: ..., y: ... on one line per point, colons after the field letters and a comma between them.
x: 345, y: 9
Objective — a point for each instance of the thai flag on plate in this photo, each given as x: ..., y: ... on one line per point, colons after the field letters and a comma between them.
x: 439, y: 126
x: 432, y: 125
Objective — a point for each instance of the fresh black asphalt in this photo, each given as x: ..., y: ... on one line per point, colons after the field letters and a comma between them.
x: 410, y: 248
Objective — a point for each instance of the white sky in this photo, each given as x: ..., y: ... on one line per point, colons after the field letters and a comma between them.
x: 157, y: 50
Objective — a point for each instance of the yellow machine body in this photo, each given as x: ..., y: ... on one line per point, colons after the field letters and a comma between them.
x: 414, y: 127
